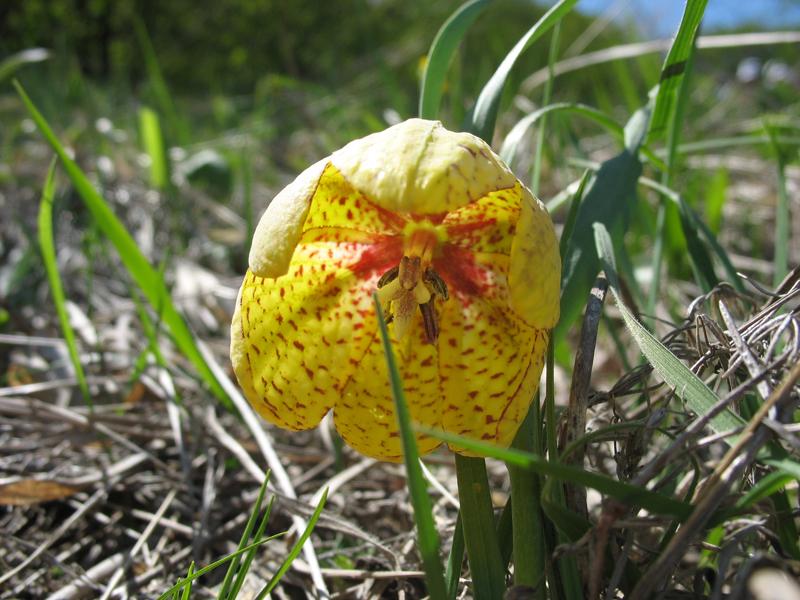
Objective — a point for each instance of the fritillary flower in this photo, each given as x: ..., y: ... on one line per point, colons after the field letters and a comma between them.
x: 465, y: 263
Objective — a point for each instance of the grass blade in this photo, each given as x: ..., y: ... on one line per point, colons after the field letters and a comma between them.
x: 624, y: 492
x: 10, y: 64
x: 141, y: 271
x: 536, y: 173
x: 666, y: 212
x: 508, y: 151
x: 296, y: 549
x: 610, y: 200
x: 484, y: 114
x: 528, y: 539
x: 675, y: 374
x: 182, y: 583
x: 674, y: 69
x: 427, y: 536
x: 224, y: 588
x: 480, y: 536
x: 455, y: 560
x: 441, y: 54
x: 153, y: 145
x: 158, y: 85
x: 47, y: 247
x: 782, y: 217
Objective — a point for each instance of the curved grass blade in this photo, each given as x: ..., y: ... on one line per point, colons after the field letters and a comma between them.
x: 674, y: 68
x: 508, y: 151
x: 536, y: 171
x: 624, y: 492
x: 47, y: 247
x: 693, y: 229
x: 675, y: 374
x: 141, y: 271
x: 187, y: 589
x: 225, y: 586
x: 427, y: 537
x: 484, y: 114
x: 10, y: 64
x: 452, y: 572
x: 182, y: 583
x: 296, y: 549
x: 441, y: 54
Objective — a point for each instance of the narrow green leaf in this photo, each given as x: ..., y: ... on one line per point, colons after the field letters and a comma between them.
x: 441, y: 54
x: 455, y: 559
x: 182, y: 583
x: 624, y: 492
x: 158, y: 85
x: 250, y: 556
x: 536, y: 172
x: 47, y: 247
x: 153, y: 145
x: 666, y: 215
x: 480, y: 537
x: 427, y: 536
x: 187, y: 589
x: 484, y: 114
x: 687, y: 386
x: 10, y: 64
x: 296, y: 549
x: 672, y: 72
x: 610, y: 200
x: 782, y: 216
x: 224, y: 588
x: 693, y: 227
x: 528, y: 530
x: 508, y: 151
x: 149, y: 281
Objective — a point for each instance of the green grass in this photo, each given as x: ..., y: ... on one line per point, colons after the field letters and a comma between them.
x: 647, y: 184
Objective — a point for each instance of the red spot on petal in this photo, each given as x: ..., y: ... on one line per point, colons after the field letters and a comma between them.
x: 460, y: 230
x: 458, y: 268
x: 298, y: 345
x: 379, y: 257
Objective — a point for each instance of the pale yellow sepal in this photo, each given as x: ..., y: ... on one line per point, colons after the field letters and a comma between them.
x: 534, y: 277
x: 281, y: 225
x: 420, y: 167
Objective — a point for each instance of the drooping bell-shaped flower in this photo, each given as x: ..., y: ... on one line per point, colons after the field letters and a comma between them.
x: 466, y: 265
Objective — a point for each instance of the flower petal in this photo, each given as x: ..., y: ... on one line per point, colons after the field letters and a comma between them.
x: 295, y: 337
x: 365, y: 414
x: 280, y: 226
x: 490, y: 362
x: 488, y: 225
x: 534, y: 276
x: 420, y: 167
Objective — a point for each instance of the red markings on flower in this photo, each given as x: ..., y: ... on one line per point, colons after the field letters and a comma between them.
x: 382, y: 255
x: 462, y: 230
x: 460, y: 271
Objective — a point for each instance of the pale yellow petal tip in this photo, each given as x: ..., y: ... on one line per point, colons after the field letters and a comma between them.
x: 418, y: 166
x: 534, y: 277
x: 279, y: 229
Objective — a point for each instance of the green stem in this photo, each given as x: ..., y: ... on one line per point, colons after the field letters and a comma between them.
x: 480, y: 537
x: 528, y: 541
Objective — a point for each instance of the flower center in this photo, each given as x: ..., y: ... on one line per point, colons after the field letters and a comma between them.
x: 413, y: 283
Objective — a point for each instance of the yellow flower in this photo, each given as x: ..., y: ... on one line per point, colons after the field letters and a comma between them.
x: 466, y: 264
